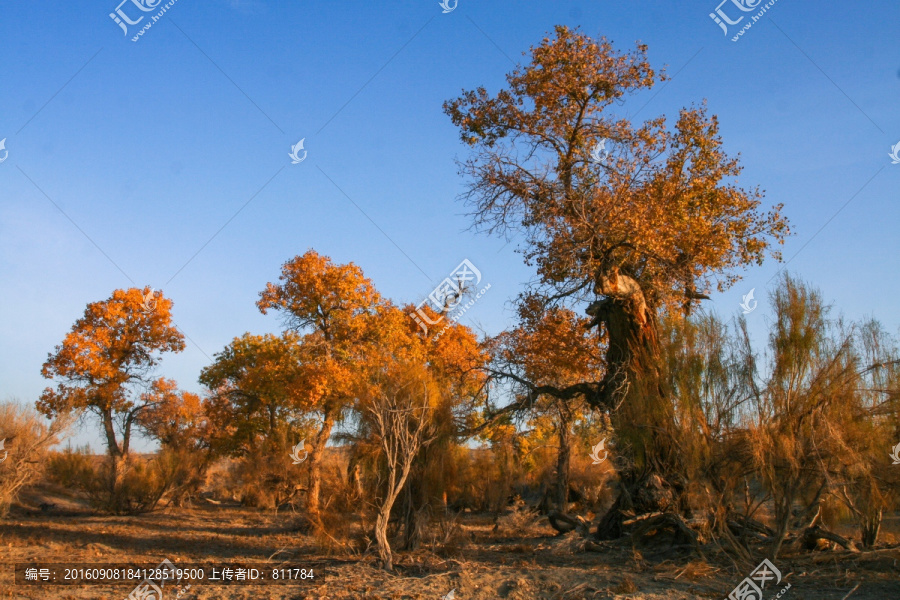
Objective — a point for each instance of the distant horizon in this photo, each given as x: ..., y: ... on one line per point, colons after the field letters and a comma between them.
x: 167, y: 162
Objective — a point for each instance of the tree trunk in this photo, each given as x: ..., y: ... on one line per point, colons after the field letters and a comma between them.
x: 315, y: 469
x: 413, y: 512
x: 116, y: 456
x: 632, y: 379
x: 111, y: 443
x: 562, y: 463
x: 634, y: 392
x: 126, y: 435
x: 381, y: 526
x: 354, y: 475
x: 640, y: 494
x: 401, y: 438
x: 782, y: 522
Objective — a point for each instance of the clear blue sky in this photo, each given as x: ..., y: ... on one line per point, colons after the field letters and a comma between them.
x: 152, y: 147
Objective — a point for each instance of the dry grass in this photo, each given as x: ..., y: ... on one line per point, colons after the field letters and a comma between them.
x: 26, y: 437
x: 484, y: 564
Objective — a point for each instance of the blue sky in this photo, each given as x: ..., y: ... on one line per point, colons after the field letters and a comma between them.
x: 164, y: 162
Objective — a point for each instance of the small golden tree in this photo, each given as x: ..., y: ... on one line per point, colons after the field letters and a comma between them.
x: 860, y: 434
x: 110, y: 352
x: 331, y: 306
x: 550, y: 349
x: 811, y: 425
x: 177, y: 419
x: 102, y: 366
x: 817, y: 424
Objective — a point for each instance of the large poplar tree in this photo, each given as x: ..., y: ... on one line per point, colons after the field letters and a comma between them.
x: 629, y: 220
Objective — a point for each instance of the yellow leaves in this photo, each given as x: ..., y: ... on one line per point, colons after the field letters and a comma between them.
x: 663, y: 208
x: 316, y: 294
x: 345, y: 347
x: 265, y: 371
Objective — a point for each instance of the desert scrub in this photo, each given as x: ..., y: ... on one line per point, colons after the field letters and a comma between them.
x: 25, y: 439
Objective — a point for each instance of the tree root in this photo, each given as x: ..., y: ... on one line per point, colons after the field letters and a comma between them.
x: 742, y: 526
x: 565, y: 523
x: 641, y: 529
x: 645, y: 526
x: 811, y: 536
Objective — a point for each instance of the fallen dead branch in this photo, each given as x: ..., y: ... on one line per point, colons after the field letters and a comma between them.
x: 856, y: 587
x: 566, y: 523
x: 811, y: 536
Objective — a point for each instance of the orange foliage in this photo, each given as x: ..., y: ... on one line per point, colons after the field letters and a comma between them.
x: 176, y: 418
x: 259, y: 382
x: 662, y: 210
x: 551, y: 346
x: 109, y: 349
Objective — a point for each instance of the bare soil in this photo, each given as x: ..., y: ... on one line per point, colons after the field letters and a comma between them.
x: 484, y: 563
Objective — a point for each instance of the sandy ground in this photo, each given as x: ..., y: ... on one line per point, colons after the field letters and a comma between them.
x: 514, y: 565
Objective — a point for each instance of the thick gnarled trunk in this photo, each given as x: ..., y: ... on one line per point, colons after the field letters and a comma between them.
x: 633, y: 341
x: 633, y: 391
